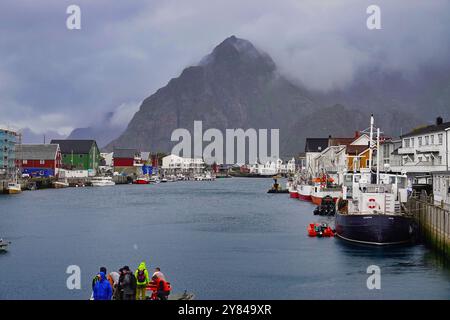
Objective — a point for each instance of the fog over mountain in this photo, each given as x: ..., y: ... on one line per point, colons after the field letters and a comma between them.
x: 240, y: 86
x: 55, y: 79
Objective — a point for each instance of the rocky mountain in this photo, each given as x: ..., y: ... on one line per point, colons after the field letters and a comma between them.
x: 236, y: 86
x: 239, y: 86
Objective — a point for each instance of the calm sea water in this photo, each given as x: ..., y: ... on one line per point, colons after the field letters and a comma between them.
x: 226, y: 239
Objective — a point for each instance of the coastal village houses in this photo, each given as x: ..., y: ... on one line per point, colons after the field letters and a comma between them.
x: 175, y: 164
x: 79, y: 155
x: 127, y: 161
x: 336, y: 155
x: 40, y: 160
x: 425, y: 150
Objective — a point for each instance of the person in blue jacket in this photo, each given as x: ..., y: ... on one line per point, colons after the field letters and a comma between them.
x: 102, y: 288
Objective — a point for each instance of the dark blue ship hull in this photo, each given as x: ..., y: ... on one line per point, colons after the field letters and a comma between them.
x: 375, y: 229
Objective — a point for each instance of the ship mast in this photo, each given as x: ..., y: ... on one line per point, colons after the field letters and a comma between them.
x: 378, y: 155
x: 371, y: 142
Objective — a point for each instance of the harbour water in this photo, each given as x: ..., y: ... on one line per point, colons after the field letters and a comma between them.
x: 226, y: 239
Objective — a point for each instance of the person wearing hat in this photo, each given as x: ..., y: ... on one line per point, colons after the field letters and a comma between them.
x: 127, y: 283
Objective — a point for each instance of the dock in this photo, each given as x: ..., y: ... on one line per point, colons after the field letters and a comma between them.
x: 433, y: 223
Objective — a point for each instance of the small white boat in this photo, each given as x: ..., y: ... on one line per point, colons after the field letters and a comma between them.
x: 102, y: 182
x: 12, y: 188
x: 164, y: 180
x: 60, y: 184
x: 4, y: 245
x: 154, y: 179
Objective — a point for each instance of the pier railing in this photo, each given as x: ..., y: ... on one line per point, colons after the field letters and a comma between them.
x: 433, y: 222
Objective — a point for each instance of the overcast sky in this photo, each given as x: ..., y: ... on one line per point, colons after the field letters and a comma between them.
x: 52, y: 78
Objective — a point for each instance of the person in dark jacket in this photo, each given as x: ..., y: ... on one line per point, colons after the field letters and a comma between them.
x: 102, y: 288
x: 127, y: 283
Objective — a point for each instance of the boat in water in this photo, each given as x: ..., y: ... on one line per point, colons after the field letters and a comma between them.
x: 102, y: 182
x: 304, y: 192
x: 320, y: 230
x: 12, y: 188
x: 60, y: 184
x: 142, y: 180
x: 4, y: 245
x: 322, y: 190
x: 370, y: 210
x: 276, y: 187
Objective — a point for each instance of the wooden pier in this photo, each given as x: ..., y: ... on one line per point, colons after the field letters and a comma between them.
x: 433, y: 222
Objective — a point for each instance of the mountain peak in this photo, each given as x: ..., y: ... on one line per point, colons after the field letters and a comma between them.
x: 233, y: 50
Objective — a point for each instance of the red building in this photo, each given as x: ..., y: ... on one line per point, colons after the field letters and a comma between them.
x: 126, y: 160
x: 42, y: 160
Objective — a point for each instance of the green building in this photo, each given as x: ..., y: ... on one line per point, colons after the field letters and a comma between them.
x: 79, y: 154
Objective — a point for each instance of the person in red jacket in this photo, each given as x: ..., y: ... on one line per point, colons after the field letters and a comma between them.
x: 162, y: 287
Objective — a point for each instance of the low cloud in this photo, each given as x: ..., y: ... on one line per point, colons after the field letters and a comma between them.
x: 53, y: 78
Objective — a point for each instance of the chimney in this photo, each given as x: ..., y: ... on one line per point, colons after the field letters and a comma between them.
x: 439, y: 121
x: 356, y: 134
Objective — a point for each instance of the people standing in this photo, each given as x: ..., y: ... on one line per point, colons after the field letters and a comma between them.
x: 142, y: 281
x: 159, y: 274
x: 113, y: 279
x: 102, y: 288
x: 97, y: 277
x: 128, y: 284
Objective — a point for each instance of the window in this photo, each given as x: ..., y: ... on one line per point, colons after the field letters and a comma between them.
x: 420, y: 141
x: 440, y: 138
x: 439, y: 160
x: 81, y: 156
x: 412, y: 142
x: 432, y: 139
x: 406, y: 143
x: 427, y: 140
x: 41, y: 161
x: 25, y: 161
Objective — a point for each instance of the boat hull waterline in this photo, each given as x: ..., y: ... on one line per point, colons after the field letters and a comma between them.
x: 375, y: 229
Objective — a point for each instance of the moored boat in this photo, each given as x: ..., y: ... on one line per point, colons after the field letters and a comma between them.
x: 370, y: 210
x: 12, y: 188
x: 319, y: 192
x: 60, y: 184
x: 102, y: 182
x: 304, y: 192
x: 142, y: 180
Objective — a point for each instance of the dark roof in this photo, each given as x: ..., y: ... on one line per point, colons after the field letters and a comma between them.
x: 37, y: 151
x: 316, y: 144
x: 75, y: 146
x: 341, y: 141
x: 356, y: 149
x: 427, y: 129
x: 125, y: 153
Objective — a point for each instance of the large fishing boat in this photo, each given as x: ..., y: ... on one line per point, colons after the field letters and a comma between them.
x: 324, y: 187
x: 304, y: 192
x: 370, y: 210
